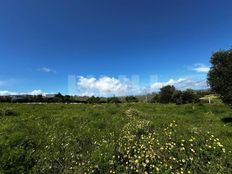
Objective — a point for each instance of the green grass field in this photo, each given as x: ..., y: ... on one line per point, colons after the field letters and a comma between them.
x: 110, y: 138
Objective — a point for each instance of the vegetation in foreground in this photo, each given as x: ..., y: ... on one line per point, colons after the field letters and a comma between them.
x: 115, y: 138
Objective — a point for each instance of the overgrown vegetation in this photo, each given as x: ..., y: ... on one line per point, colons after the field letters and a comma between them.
x: 116, y: 138
x: 167, y: 94
x: 7, y: 112
x: 219, y: 76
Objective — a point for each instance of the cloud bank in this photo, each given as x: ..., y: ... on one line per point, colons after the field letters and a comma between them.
x: 201, y: 68
x: 105, y: 86
x: 181, y: 84
x: 109, y: 86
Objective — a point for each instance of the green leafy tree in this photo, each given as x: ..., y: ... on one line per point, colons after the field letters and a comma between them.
x: 131, y: 99
x: 220, y: 75
x: 5, y: 99
x: 93, y: 99
x: 166, y: 94
x: 67, y: 99
x: 155, y: 98
x: 188, y: 96
x: 113, y: 100
x: 58, y: 98
x: 178, y: 97
x: 39, y: 98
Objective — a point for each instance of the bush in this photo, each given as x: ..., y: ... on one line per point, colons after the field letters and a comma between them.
x: 113, y: 100
x: 6, y: 99
x: 155, y: 98
x: 132, y: 113
x: 131, y: 99
x: 185, y: 97
x: 178, y: 97
x: 189, y: 96
x: 8, y: 112
x: 93, y: 99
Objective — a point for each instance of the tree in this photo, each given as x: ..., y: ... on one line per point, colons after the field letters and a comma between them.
x: 166, y: 94
x: 93, y: 100
x: 155, y: 98
x: 6, y: 99
x: 67, y: 99
x: 184, y: 97
x: 178, y: 97
x: 131, y: 99
x: 58, y: 98
x: 39, y: 98
x: 113, y: 100
x: 188, y: 96
x: 220, y: 75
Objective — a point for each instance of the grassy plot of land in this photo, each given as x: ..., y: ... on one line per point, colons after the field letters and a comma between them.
x: 109, y: 138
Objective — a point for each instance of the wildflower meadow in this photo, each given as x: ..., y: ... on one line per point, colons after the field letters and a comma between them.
x: 115, y: 138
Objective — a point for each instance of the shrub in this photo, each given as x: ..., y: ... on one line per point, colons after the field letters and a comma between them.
x: 189, y: 96
x: 178, y: 97
x: 113, y: 100
x: 131, y: 99
x: 8, y: 112
x: 155, y: 98
x: 184, y: 97
x: 93, y: 100
x: 132, y: 113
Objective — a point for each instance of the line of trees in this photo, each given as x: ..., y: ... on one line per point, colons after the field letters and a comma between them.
x: 58, y: 98
x: 167, y: 94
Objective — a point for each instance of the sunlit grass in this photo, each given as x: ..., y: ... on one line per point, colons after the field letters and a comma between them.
x: 125, y: 138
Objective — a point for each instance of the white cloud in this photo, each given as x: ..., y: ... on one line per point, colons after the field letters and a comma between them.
x: 108, y: 86
x: 157, y: 85
x: 181, y: 83
x: 34, y: 92
x: 201, y: 68
x: 47, y: 70
x: 104, y: 86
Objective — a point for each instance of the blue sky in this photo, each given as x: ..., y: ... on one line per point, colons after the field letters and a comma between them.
x: 43, y: 42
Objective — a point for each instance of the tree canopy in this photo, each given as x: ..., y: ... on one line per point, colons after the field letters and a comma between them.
x: 220, y: 75
x: 166, y: 94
